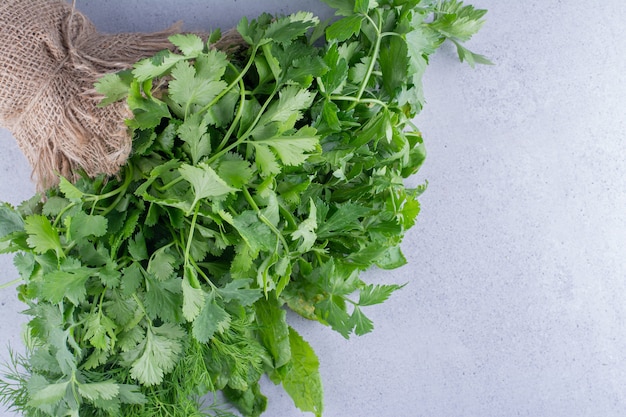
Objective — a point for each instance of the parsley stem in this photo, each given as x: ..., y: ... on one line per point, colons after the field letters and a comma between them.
x: 265, y: 220
x: 373, y: 55
x: 202, y: 274
x: 10, y: 284
x: 234, y: 82
x: 247, y: 133
x: 192, y: 229
x: 235, y: 122
x: 359, y: 100
x: 128, y: 177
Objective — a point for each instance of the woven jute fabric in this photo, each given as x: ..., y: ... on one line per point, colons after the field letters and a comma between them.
x: 50, y: 57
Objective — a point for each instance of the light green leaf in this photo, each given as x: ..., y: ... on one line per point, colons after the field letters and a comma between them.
x: 132, y: 278
x: 68, y: 283
x: 302, y: 381
x: 137, y: 247
x: 186, y: 89
x: 162, y: 264
x: 83, y: 225
x: 392, y: 258
x: 234, y: 170
x: 106, y: 390
x: 42, y: 236
x: 189, y: 44
x: 157, y: 66
x: 285, y: 29
x: 470, y: 57
x: 148, y: 111
x: 294, y: 149
x: 193, y: 300
x: 266, y: 160
x: 100, y: 331
x: 130, y: 394
x: 292, y: 99
x: 346, y: 218
x: 239, y: 290
x: 49, y: 395
x: 256, y: 234
x: 114, y: 87
x: 364, y: 6
x: 205, y: 182
x: 160, y: 351
x: 193, y: 131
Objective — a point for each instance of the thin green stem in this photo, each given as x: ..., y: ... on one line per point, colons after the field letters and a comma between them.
x: 247, y: 133
x: 373, y: 55
x: 128, y: 178
x: 265, y: 220
x: 192, y: 229
x: 359, y: 100
x: 169, y: 184
x: 202, y: 274
x: 235, y: 122
x: 11, y: 283
x: 234, y: 82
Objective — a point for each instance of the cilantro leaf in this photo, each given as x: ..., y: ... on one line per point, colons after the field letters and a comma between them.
x: 10, y: 220
x: 306, y: 230
x: 187, y: 89
x: 159, y: 353
x: 205, y: 182
x: 213, y: 318
x: 83, y: 225
x: 189, y: 44
x: 293, y: 149
x: 68, y: 282
x: 344, y: 28
x: 114, y: 87
x: 193, y: 300
x: 42, y: 236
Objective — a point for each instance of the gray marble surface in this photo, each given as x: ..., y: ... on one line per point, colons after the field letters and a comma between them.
x: 516, y: 297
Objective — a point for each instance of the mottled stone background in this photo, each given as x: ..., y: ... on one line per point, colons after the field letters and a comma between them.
x: 516, y: 298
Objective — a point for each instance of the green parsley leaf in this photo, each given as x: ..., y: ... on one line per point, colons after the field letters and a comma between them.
x: 189, y: 44
x: 159, y: 353
x: 213, y: 318
x: 42, y: 236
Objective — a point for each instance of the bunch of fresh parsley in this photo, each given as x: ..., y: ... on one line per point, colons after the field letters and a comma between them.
x: 259, y: 181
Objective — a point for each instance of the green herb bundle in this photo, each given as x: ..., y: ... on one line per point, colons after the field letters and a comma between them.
x: 258, y: 182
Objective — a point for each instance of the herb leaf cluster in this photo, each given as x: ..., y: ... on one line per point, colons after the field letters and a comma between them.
x: 258, y: 182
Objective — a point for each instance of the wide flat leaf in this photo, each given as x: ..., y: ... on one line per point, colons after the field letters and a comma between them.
x: 274, y: 330
x: 10, y: 220
x: 42, y: 236
x: 68, y: 282
x: 99, y: 390
x: 213, y: 318
x: 303, y: 382
x: 50, y: 394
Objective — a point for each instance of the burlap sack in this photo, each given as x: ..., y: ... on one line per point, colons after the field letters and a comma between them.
x: 50, y: 57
